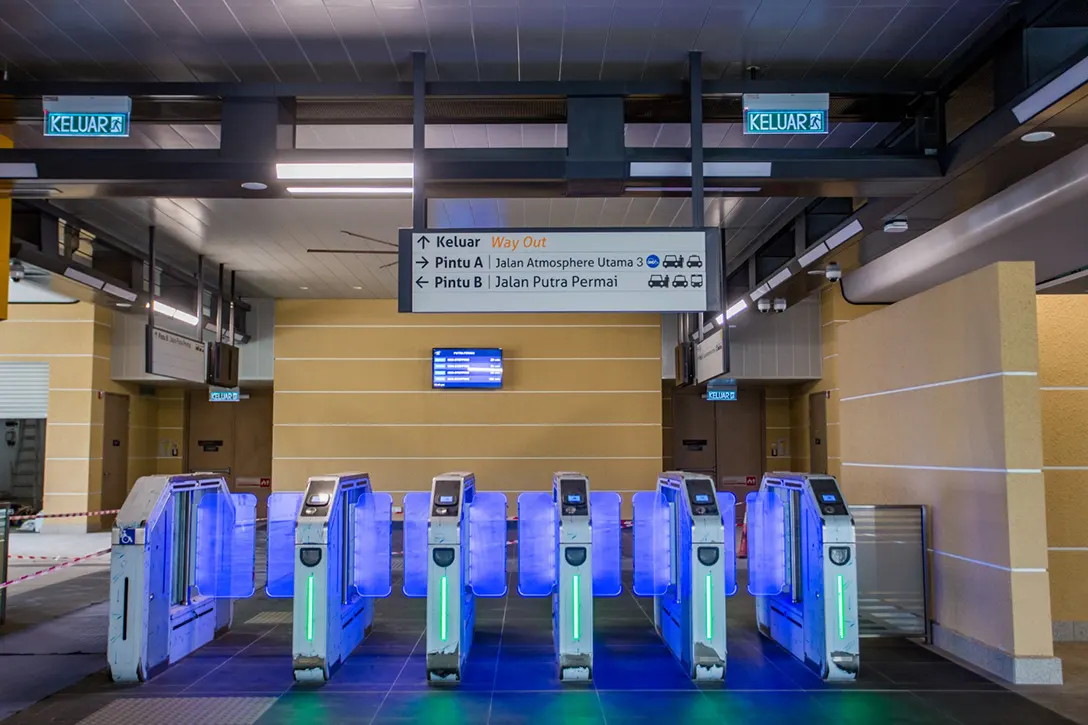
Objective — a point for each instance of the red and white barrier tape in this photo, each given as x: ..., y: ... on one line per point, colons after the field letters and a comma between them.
x: 62, y: 565
x: 38, y: 558
x: 64, y: 516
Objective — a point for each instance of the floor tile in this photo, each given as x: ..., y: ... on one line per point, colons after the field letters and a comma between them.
x: 991, y: 708
x: 297, y: 708
x: 435, y: 707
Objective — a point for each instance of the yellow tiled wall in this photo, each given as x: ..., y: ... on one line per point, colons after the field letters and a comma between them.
x: 353, y: 392
x: 1063, y: 381
x: 939, y: 405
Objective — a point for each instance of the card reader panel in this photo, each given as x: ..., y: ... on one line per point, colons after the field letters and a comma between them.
x: 318, y: 498
x: 446, y: 502
x: 828, y: 496
x: 701, y: 497
x: 573, y: 497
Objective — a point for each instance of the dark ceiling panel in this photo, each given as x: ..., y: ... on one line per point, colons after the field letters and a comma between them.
x: 585, y: 30
x: 540, y: 57
x: 495, y: 40
x: 630, y: 35
x: 451, y: 44
x: 218, y: 27
x: 857, y: 34
x: 312, y: 27
x: 952, y: 31
x: 893, y: 42
x: 266, y: 27
x: 722, y: 37
x: 783, y: 33
x: 371, y: 56
x: 677, y: 30
x: 174, y: 36
x: 93, y: 40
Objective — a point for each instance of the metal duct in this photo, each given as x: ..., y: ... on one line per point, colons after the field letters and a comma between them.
x: 1039, y: 219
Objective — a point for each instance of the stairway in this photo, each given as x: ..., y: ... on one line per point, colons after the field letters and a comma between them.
x: 27, y: 468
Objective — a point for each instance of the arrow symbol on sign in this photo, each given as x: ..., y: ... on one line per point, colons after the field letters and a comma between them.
x: 422, y: 261
x: 423, y: 241
x: 420, y: 282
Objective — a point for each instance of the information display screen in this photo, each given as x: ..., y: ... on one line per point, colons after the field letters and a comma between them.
x: 574, y: 498
x: 445, y: 500
x: 702, y: 498
x: 828, y: 498
x: 454, y: 368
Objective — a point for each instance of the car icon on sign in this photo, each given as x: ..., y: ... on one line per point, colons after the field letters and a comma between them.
x: 673, y: 260
x: 695, y: 262
x: 679, y: 280
x: 659, y: 280
x: 696, y: 280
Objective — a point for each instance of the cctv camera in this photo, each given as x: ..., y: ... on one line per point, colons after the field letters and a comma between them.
x: 16, y: 271
x: 763, y: 305
x: 779, y: 304
x: 833, y: 272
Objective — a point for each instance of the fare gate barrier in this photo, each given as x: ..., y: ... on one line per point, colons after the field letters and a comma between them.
x: 454, y: 551
x: 803, y: 571
x: 684, y: 557
x: 569, y: 550
x: 329, y: 548
x: 183, y: 549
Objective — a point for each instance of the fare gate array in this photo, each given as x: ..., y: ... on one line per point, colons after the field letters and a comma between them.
x: 184, y: 549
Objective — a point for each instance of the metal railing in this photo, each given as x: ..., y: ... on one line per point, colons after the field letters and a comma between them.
x: 893, y: 571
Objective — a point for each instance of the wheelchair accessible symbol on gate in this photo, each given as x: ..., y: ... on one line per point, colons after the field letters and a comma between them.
x: 652, y: 261
x: 128, y: 537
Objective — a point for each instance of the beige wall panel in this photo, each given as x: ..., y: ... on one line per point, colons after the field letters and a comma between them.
x: 468, y: 407
x: 518, y: 374
x: 939, y: 426
x: 384, y: 312
x: 517, y: 342
x: 1067, y: 510
x: 71, y: 406
x: 71, y: 441
x: 1025, y: 496
x: 66, y: 504
x: 521, y: 475
x: 36, y: 314
x: 1065, y: 424
x: 1063, y: 340
x: 485, y: 441
x: 983, y: 535
x: 1033, y: 635
x: 1019, y: 316
x: 71, y: 339
x: 973, y: 600
x: 1023, y: 422
x: 1069, y: 585
x: 67, y: 476
x: 920, y: 343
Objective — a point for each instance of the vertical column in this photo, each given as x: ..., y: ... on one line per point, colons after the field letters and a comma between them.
x: 419, y: 141
x: 939, y: 398
x: 698, y: 197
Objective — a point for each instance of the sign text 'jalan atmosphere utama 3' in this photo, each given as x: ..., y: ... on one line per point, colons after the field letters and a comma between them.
x: 559, y: 271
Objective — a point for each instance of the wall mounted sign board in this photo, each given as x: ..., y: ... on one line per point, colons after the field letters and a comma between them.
x: 780, y: 113
x: 87, y: 116
x: 174, y: 356
x: 564, y: 270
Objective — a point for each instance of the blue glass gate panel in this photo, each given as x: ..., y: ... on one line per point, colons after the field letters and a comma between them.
x: 225, y: 541
x: 537, y: 549
x: 373, y: 551
x: 283, y: 511
x: 652, y: 544
x: 487, y: 544
x: 417, y: 510
x: 605, y: 512
x: 766, y: 544
x: 727, y: 504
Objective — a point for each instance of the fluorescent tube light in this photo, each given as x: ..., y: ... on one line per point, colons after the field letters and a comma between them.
x: 1052, y: 92
x: 687, y: 189
x: 720, y: 319
x: 72, y: 273
x: 349, y: 190
x: 118, y: 292
x: 813, y: 254
x: 167, y: 311
x: 779, y: 278
x: 735, y: 309
x: 760, y: 291
x: 740, y: 169
x: 843, y: 234
x: 364, y: 170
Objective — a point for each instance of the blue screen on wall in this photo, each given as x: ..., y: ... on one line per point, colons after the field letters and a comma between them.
x: 466, y: 367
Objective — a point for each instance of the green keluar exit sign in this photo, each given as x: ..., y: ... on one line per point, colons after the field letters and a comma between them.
x: 92, y: 124
x: 774, y: 121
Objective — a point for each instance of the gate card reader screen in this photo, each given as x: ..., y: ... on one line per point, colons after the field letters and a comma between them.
x: 466, y: 368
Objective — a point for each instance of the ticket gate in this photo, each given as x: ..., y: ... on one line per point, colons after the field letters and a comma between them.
x: 183, y: 550
x: 684, y: 557
x: 329, y: 550
x: 803, y: 570
x: 454, y: 551
x: 569, y: 550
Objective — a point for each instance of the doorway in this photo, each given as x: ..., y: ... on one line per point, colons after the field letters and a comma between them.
x: 115, y: 451
x: 817, y: 432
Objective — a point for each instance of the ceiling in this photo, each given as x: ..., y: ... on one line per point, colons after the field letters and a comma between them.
x: 490, y: 40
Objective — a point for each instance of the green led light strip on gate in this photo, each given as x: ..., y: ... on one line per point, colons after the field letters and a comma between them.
x: 577, y: 622
x: 709, y: 608
x: 842, y: 619
x: 310, y: 609
x: 443, y: 625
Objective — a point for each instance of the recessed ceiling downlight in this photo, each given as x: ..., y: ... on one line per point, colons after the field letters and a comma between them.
x: 254, y: 185
x: 1037, y: 136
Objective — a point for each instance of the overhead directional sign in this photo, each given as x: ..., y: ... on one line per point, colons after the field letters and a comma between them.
x: 778, y: 113
x: 560, y: 270
x: 87, y: 116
